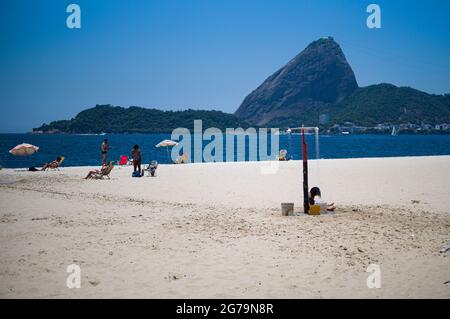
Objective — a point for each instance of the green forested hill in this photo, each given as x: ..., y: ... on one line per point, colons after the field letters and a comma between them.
x: 116, y: 119
x: 388, y: 103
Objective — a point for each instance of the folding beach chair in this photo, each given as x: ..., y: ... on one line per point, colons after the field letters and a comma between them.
x: 100, y: 174
x: 60, y: 163
x: 183, y: 159
x: 55, y: 164
x: 123, y: 160
x: 151, y: 168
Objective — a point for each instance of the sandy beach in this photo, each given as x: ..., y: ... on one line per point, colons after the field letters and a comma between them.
x: 215, y: 230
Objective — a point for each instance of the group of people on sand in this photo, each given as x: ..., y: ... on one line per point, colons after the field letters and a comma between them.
x: 136, y: 157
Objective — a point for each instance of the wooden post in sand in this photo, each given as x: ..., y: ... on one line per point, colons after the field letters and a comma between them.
x: 305, y: 174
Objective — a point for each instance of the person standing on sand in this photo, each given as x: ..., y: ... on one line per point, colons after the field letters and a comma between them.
x: 104, y: 151
x: 137, y: 158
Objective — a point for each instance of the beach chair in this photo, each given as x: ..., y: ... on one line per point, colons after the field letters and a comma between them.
x: 54, y: 165
x: 183, y: 159
x: 123, y: 160
x: 100, y: 174
x: 59, y: 164
x: 152, y: 168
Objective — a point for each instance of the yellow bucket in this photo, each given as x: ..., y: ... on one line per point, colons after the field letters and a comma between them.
x: 314, y: 209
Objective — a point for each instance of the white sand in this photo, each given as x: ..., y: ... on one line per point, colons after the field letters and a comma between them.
x: 215, y: 230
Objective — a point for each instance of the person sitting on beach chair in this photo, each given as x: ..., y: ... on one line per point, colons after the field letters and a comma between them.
x: 99, y: 174
x: 315, y: 199
x: 181, y: 159
x: 53, y: 165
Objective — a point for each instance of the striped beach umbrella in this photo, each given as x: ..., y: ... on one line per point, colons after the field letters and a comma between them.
x: 24, y: 149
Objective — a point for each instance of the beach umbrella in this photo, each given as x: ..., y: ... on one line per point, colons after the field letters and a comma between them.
x: 24, y: 150
x: 166, y: 144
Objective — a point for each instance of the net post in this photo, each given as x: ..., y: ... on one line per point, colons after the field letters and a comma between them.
x: 316, y: 129
x: 305, y: 174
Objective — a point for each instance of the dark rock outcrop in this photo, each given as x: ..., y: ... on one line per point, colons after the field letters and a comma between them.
x: 319, y: 76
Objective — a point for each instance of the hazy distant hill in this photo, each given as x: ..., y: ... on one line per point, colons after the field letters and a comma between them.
x: 115, y: 119
x: 319, y: 80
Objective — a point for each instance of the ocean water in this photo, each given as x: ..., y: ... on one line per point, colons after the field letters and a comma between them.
x: 85, y: 149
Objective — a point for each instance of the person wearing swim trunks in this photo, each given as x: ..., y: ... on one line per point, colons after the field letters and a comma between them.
x: 137, y: 159
x: 104, y: 151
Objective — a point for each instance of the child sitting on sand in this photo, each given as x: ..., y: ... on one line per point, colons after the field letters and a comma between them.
x: 315, y: 199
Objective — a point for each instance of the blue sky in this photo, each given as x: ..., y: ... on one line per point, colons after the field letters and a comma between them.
x: 203, y: 54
